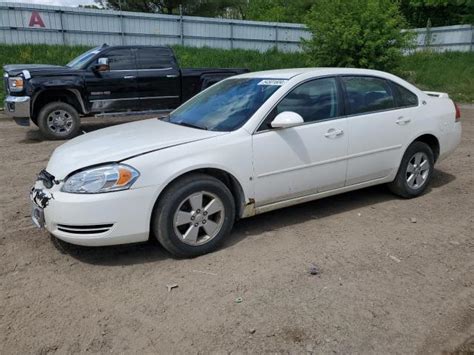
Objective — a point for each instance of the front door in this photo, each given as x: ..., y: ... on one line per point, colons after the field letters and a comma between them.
x: 115, y: 89
x: 159, y: 81
x: 306, y: 159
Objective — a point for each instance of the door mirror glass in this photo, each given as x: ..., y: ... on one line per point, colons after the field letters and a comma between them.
x: 287, y: 119
x: 102, y: 65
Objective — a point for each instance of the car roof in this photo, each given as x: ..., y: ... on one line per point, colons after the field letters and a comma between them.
x: 133, y: 46
x: 290, y: 73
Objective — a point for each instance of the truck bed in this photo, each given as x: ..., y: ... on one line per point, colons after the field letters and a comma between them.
x: 196, y: 79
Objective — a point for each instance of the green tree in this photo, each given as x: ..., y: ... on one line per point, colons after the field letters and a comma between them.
x: 356, y: 33
x: 277, y: 10
x: 210, y: 8
x: 439, y: 12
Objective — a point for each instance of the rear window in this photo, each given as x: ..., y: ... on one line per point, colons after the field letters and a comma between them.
x: 405, y: 97
x: 367, y: 94
x: 154, y: 58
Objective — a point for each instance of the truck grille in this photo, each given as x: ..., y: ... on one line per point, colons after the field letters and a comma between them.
x: 90, y: 229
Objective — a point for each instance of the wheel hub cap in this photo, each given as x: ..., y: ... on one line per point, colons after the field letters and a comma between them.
x: 199, y: 218
x: 418, y: 170
x: 60, y: 121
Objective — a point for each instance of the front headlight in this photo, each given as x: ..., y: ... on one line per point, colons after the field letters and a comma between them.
x: 15, y: 84
x: 105, y: 178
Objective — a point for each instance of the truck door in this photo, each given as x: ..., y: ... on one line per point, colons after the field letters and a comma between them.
x: 159, y: 81
x: 114, y: 89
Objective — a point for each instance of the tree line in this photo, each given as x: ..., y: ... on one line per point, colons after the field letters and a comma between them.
x: 417, y: 13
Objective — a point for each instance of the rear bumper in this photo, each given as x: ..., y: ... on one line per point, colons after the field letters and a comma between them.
x: 18, y: 107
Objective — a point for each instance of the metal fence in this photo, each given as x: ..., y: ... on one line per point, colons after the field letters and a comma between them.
x: 446, y: 38
x: 28, y: 23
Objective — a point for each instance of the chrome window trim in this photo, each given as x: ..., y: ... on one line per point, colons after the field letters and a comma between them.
x: 129, y: 70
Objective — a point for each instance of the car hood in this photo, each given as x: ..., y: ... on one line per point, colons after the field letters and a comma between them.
x: 36, y: 69
x: 120, y: 142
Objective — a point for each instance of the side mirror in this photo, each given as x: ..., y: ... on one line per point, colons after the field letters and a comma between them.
x: 102, y: 65
x: 287, y: 119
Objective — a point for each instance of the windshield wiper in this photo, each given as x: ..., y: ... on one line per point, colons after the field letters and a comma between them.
x: 186, y: 124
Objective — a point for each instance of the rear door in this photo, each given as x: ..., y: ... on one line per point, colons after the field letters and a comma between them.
x: 379, y: 128
x: 115, y: 89
x: 159, y: 83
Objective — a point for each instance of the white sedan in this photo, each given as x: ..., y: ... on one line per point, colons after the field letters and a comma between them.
x: 247, y: 145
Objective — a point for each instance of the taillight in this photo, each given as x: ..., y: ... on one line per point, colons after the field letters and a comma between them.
x: 458, y: 113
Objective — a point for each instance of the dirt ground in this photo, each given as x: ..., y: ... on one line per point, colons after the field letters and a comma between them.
x: 396, y: 275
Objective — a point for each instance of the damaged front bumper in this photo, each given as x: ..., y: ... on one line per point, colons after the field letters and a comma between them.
x: 39, y: 200
x: 118, y: 217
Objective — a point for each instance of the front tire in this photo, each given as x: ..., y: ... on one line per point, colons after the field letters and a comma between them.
x: 59, y: 120
x: 415, y: 171
x: 193, y: 216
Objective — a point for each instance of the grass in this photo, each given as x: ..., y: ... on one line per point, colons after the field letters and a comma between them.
x: 451, y: 72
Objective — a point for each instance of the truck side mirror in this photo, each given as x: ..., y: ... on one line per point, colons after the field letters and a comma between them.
x: 102, y: 65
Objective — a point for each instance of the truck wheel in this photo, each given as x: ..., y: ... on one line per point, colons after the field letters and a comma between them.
x: 58, y: 120
x: 414, y: 173
x: 193, y: 215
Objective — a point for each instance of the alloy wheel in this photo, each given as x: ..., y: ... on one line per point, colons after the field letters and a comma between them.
x: 60, y: 121
x: 199, y: 218
x: 418, y: 170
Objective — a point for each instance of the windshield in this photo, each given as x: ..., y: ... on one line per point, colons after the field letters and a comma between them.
x: 226, y: 105
x: 78, y: 62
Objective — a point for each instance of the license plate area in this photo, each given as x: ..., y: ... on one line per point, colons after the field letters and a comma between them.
x: 37, y: 215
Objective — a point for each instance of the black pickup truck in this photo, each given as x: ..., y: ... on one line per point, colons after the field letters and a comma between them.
x: 106, y: 80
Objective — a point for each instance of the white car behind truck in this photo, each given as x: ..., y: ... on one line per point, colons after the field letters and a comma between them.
x: 249, y: 144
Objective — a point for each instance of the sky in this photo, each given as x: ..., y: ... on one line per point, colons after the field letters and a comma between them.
x: 54, y: 2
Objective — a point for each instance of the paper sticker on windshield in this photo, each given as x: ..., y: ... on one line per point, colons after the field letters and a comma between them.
x: 275, y: 82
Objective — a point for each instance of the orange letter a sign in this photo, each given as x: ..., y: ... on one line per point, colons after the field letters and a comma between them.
x: 36, y: 20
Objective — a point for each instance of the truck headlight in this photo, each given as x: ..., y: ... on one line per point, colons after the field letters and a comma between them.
x: 15, y: 84
x: 105, y: 178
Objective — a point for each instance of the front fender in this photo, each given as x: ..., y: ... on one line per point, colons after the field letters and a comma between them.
x: 229, y: 153
x: 72, y: 85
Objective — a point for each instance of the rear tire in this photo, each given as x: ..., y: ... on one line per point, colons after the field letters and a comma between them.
x: 59, y: 120
x: 415, y: 171
x: 193, y: 216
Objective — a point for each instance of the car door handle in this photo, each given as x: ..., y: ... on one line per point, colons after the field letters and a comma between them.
x: 402, y: 120
x: 129, y: 77
x: 171, y: 76
x: 333, y: 133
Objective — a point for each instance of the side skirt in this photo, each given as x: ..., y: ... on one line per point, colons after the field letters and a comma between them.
x: 316, y: 196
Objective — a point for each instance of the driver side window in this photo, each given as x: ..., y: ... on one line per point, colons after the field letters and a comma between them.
x: 315, y: 100
x: 121, y: 59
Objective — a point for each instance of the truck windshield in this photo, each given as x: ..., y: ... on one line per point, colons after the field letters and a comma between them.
x: 78, y: 62
x: 226, y: 105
